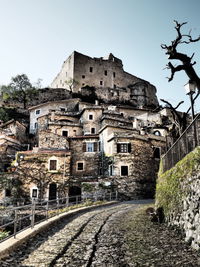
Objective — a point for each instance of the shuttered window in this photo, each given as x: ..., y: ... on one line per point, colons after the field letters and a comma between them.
x: 95, y: 146
x: 124, y: 148
x: 84, y: 147
x: 53, y: 165
x: 90, y: 147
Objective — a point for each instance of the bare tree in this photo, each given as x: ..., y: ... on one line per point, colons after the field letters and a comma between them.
x: 34, y: 171
x: 71, y: 83
x: 187, y: 65
x: 179, y: 118
x: 187, y: 61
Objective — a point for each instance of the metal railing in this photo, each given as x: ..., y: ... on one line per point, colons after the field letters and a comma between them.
x: 189, y: 139
x: 17, y: 219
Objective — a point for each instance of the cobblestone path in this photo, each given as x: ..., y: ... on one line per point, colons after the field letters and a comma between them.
x: 91, y: 239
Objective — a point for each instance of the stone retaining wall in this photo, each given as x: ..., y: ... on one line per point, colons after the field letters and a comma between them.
x: 178, y: 193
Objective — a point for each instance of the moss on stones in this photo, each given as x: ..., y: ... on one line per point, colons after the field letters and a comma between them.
x: 169, y: 190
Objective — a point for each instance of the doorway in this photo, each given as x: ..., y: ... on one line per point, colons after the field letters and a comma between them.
x: 52, y: 191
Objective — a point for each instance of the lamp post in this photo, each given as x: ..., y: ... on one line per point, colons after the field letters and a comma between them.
x: 190, y: 88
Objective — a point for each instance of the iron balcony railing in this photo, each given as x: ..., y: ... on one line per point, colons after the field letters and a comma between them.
x: 189, y: 139
x: 16, y: 219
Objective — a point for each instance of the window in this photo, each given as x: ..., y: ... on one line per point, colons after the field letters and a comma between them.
x: 90, y: 147
x: 83, y: 76
x: 93, y: 130
x: 62, y: 109
x: 6, y: 167
x: 157, y: 133
x: 60, y: 81
x: 7, y: 192
x: 79, y: 166
x: 91, y: 69
x: 65, y: 133
x: 124, y: 148
x: 111, y: 170
x: 83, y: 84
x: 105, y: 73
x: 115, y: 86
x: 91, y: 117
x: 66, y: 74
x: 34, y: 192
x: 36, y: 125
x: 37, y: 112
x: 113, y: 74
x: 124, y: 170
x: 101, y: 82
x: 156, y: 152
x: 53, y: 165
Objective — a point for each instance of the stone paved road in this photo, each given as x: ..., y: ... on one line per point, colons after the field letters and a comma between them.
x: 91, y: 239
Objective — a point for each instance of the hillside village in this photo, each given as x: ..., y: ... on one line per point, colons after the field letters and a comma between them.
x: 96, y: 129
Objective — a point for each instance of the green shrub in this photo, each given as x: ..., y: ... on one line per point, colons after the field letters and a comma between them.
x: 4, y: 234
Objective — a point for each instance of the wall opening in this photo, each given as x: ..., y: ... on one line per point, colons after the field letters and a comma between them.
x: 52, y: 191
x: 124, y: 170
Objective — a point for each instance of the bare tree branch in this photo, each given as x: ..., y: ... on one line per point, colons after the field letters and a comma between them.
x: 173, y: 54
x: 174, y: 69
x: 178, y: 117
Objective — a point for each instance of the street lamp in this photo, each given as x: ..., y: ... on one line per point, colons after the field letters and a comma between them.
x: 190, y: 88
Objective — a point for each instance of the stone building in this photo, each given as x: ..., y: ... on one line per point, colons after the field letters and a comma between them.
x: 13, y: 138
x: 98, y: 144
x: 108, y: 132
x: 44, y: 173
x: 44, y: 109
x: 80, y: 73
x: 131, y: 160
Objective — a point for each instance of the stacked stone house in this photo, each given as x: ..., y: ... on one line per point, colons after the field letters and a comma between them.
x: 12, y: 139
x: 111, y: 139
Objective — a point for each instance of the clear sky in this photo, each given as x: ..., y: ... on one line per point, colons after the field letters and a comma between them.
x: 38, y: 35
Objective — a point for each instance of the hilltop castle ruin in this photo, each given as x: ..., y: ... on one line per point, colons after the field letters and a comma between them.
x: 107, y: 76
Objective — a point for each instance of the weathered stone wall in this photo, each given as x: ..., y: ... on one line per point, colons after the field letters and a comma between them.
x: 43, y: 109
x: 66, y: 73
x: 72, y: 128
x: 178, y: 193
x: 104, y: 74
x: 142, y: 168
x: 33, y: 170
x: 90, y: 160
x: 91, y: 119
x: 8, y: 148
x: 47, y: 139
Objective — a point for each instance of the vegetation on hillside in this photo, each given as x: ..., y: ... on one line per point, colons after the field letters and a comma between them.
x: 19, y: 89
x: 169, y: 192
